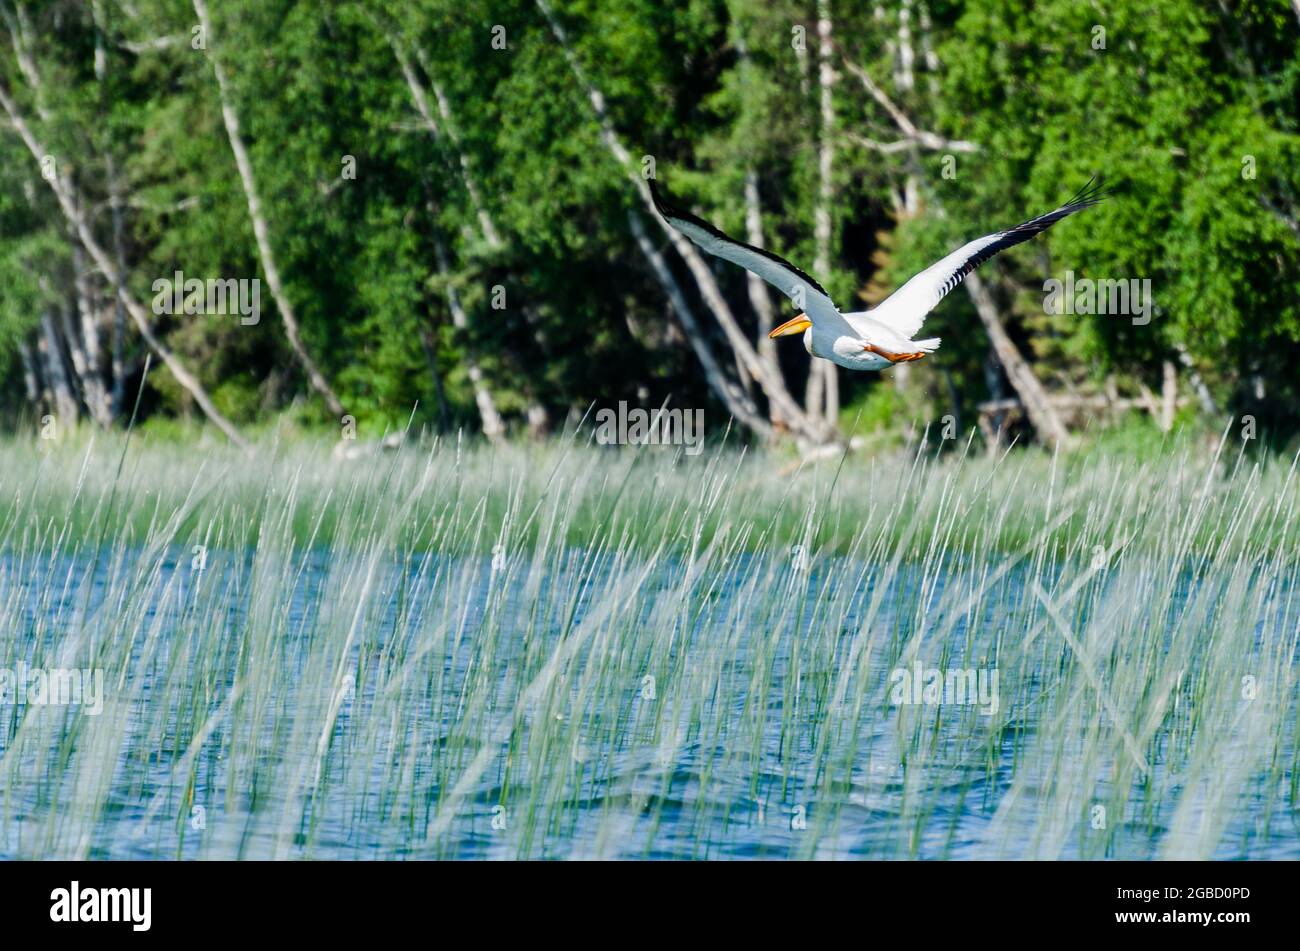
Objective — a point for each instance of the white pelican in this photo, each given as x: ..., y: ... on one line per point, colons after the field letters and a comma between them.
x: 864, y: 340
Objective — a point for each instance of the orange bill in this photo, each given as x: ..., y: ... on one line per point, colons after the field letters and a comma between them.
x: 796, y: 325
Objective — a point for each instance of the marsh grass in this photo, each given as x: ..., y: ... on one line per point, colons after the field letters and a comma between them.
x: 564, y: 651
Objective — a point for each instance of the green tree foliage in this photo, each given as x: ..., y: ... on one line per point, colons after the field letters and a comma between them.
x: 1186, y: 110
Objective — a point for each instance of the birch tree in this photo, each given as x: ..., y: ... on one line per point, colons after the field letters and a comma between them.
x: 72, y: 207
x: 261, y: 230
x: 770, y: 383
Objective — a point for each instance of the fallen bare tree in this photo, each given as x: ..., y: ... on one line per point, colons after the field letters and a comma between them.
x: 733, y: 396
x: 1046, y: 420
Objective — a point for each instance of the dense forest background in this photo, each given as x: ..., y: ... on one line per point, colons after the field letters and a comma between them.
x: 444, y: 205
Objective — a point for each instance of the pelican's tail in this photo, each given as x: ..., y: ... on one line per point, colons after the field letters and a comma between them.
x: 927, y: 346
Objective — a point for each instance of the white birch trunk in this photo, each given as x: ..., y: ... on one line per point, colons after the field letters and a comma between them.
x: 830, y: 385
x: 65, y: 403
x: 117, y: 344
x: 759, y: 298
x: 736, y: 400
x: 773, y: 386
x: 31, y: 384
x: 260, y: 230
x: 1168, y: 395
x: 85, y: 351
x: 903, y: 77
x: 71, y: 206
x: 1208, y: 405
x: 537, y: 415
x: 489, y: 417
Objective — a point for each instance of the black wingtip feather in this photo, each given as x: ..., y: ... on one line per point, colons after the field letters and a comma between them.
x: 669, y: 211
x: 1090, y: 194
x: 660, y: 205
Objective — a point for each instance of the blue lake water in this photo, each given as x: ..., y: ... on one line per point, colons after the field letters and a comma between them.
x: 313, y: 706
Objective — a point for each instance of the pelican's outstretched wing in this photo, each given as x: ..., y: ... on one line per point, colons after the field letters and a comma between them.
x: 806, y: 293
x: 906, y: 308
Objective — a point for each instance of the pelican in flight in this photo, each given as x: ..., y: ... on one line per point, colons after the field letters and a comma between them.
x: 867, y: 339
